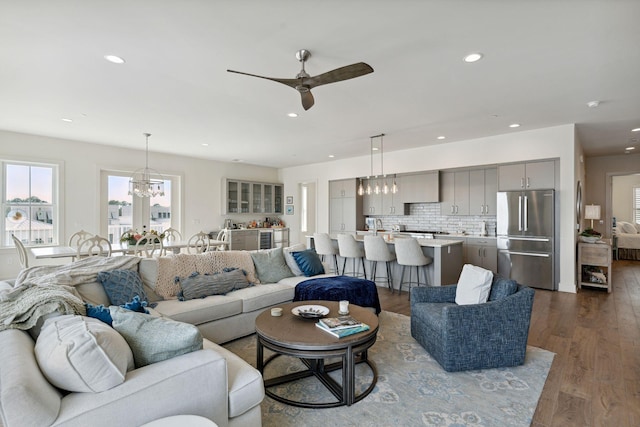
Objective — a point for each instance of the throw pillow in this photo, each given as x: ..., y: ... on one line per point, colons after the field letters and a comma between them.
x: 270, y: 265
x: 103, y: 314
x: 154, y: 339
x: 290, y: 260
x: 627, y: 227
x: 502, y: 288
x: 474, y: 285
x: 122, y: 285
x: 203, y: 285
x: 80, y: 354
x: 309, y: 262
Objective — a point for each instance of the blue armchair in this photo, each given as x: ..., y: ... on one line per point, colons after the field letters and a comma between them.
x: 476, y: 336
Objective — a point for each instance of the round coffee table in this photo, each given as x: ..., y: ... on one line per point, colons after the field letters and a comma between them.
x: 294, y: 336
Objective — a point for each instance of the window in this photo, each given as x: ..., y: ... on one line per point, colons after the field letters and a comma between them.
x: 29, y: 203
x: 636, y: 205
x: 123, y: 212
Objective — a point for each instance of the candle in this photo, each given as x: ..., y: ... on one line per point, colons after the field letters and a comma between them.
x: 344, y: 307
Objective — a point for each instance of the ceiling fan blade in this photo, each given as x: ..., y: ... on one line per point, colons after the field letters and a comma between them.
x: 289, y: 82
x: 307, y: 99
x: 339, y: 74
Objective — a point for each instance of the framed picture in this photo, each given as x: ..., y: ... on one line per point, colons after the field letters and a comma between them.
x: 289, y: 200
x: 289, y: 210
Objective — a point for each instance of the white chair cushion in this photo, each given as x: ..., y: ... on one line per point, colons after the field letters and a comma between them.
x: 474, y: 285
x: 81, y: 354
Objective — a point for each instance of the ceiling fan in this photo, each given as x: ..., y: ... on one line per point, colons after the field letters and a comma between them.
x: 303, y: 82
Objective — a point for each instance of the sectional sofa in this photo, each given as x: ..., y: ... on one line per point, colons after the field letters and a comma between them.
x: 211, y: 382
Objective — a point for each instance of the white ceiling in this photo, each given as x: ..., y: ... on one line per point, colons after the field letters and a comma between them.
x: 543, y: 61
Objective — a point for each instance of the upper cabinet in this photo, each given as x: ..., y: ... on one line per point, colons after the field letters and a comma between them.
x: 381, y: 203
x: 342, y: 188
x: 455, y: 193
x: 483, y: 186
x: 419, y: 188
x: 344, y: 207
x: 527, y: 176
x: 252, y: 197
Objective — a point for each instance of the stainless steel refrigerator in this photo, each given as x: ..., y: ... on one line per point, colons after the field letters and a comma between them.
x: 525, y: 230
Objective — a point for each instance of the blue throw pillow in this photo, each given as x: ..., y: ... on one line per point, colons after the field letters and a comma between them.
x: 309, y: 262
x: 102, y: 313
x: 502, y: 288
x: 122, y: 285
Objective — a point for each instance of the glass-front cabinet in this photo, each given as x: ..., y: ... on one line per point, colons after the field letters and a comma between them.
x: 253, y: 197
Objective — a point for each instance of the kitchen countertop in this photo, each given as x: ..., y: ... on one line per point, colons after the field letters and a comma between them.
x: 432, y: 243
x: 442, y: 236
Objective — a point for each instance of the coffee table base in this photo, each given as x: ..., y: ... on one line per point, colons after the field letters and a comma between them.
x: 345, y: 393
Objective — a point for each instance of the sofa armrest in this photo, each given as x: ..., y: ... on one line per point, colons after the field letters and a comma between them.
x: 433, y: 294
x: 193, y: 383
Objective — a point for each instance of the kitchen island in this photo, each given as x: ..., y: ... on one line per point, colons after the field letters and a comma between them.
x: 444, y: 270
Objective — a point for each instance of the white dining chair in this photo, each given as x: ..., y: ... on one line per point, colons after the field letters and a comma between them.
x: 198, y: 243
x: 22, y: 252
x: 222, y: 237
x: 77, y: 237
x: 375, y: 251
x: 149, y: 245
x: 409, y: 254
x: 171, y: 235
x: 94, y: 246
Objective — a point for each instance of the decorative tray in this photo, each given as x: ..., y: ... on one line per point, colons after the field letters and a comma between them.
x: 310, y: 311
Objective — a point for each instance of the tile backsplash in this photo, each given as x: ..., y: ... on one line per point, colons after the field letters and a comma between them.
x: 427, y: 217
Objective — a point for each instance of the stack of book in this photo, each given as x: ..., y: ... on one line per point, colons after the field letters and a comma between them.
x: 341, y: 326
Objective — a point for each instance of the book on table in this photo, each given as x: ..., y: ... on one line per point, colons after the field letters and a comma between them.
x: 342, y: 326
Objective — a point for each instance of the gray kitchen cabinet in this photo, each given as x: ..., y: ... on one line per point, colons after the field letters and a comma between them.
x: 483, y: 186
x: 454, y: 187
x: 381, y: 204
x: 419, y: 188
x: 238, y: 197
x: 252, y: 197
x: 483, y: 253
x: 527, y: 176
x: 243, y: 240
x: 345, y: 209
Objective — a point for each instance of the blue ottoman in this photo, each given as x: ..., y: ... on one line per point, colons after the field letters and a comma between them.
x: 357, y: 291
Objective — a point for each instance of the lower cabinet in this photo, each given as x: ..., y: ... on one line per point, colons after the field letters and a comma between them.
x: 483, y: 253
x: 243, y: 240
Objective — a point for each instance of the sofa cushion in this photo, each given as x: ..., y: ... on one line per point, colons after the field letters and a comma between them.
x: 154, y: 339
x: 474, y: 285
x: 290, y: 260
x: 502, y: 288
x: 203, y: 285
x: 122, y: 285
x: 263, y: 296
x: 201, y: 310
x: 81, y: 354
x: 183, y: 265
x: 309, y: 262
x: 28, y: 399
x: 270, y: 265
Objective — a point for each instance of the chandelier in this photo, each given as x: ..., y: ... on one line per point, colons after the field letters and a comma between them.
x: 385, y: 186
x: 141, y: 184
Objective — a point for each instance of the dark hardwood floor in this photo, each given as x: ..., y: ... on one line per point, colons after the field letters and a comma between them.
x: 595, y: 376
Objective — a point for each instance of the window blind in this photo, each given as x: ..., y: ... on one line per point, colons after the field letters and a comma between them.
x: 636, y: 205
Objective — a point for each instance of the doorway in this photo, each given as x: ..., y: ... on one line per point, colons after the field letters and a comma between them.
x: 308, y: 208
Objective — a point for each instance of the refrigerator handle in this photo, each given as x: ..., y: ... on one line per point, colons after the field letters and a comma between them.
x: 519, y: 213
x: 526, y: 213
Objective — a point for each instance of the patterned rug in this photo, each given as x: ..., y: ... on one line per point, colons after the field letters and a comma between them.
x: 412, y: 388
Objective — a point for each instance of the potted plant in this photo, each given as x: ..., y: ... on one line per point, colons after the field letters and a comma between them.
x: 590, y: 235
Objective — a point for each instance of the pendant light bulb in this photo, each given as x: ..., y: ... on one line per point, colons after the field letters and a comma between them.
x: 361, y: 189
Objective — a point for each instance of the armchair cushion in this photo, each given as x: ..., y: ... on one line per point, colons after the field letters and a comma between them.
x: 473, y: 285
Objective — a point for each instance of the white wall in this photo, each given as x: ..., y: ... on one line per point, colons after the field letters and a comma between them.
x: 202, y: 183
x: 556, y: 142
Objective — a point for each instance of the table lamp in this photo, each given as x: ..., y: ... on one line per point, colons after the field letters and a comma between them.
x: 592, y: 212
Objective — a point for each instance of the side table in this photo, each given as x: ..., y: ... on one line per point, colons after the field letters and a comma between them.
x: 594, y: 265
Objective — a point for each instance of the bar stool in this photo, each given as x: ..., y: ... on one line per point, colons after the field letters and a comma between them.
x: 349, y: 248
x: 376, y: 250
x: 409, y: 254
x: 324, y: 246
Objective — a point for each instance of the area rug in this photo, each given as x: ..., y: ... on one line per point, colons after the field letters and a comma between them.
x: 412, y: 388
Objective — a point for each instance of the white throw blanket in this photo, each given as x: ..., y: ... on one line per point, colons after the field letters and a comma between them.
x: 76, y: 273
x: 20, y: 308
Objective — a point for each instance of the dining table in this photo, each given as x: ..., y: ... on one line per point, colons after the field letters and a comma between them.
x: 43, y: 252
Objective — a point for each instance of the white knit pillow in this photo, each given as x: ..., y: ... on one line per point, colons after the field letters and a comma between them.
x: 82, y: 354
x: 474, y: 285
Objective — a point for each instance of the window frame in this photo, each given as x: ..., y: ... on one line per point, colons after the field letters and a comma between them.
x: 57, y: 172
x: 635, y: 204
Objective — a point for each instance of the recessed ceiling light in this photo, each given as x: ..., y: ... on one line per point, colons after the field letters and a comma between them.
x: 593, y: 104
x: 292, y: 114
x: 67, y: 120
x: 441, y: 137
x: 204, y: 144
x: 331, y: 156
x: 635, y: 130
x: 514, y: 125
x: 115, y: 59
x: 374, y: 149
x: 630, y: 148
x: 236, y: 160
x: 473, y: 57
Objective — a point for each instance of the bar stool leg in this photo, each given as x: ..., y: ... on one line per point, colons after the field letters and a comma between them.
x: 389, y: 277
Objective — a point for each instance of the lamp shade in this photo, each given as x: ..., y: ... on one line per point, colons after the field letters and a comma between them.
x: 592, y: 212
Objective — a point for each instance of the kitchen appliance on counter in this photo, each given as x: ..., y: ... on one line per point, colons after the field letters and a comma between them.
x: 525, y: 237
x: 398, y: 227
